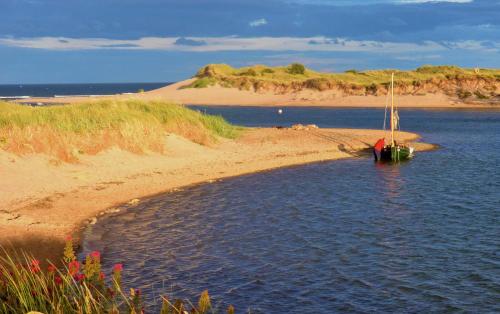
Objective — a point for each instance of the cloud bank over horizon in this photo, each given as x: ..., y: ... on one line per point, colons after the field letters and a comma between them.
x: 234, y: 43
x: 90, y: 35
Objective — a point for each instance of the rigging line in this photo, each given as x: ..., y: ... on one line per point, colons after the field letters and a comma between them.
x: 396, y: 98
x: 385, y: 112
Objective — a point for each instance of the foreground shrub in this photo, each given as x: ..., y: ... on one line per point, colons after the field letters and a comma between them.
x: 77, y: 287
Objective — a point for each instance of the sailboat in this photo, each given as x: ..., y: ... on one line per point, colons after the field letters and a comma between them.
x: 394, y: 151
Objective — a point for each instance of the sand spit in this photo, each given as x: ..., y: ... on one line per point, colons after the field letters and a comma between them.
x: 216, y: 95
x: 42, y: 200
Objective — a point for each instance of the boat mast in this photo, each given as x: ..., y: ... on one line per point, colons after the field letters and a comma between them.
x: 392, y: 110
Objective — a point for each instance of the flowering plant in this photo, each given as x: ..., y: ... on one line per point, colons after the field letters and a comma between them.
x: 76, y: 287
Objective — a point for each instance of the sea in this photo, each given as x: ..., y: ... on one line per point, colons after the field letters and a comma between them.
x: 344, y: 236
x: 21, y: 91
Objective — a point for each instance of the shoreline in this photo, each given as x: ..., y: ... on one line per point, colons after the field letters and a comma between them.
x: 222, y: 96
x: 36, y: 213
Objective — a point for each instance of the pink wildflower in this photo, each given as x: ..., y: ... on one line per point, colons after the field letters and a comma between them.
x: 58, y: 280
x: 51, y: 268
x: 35, y: 266
x: 118, y: 268
x: 102, y: 276
x: 95, y: 255
x: 79, y: 277
x: 74, y: 267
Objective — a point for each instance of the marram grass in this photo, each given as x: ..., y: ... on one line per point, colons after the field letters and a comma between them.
x: 226, y: 75
x: 78, y: 287
x: 88, y: 128
x: 370, y: 82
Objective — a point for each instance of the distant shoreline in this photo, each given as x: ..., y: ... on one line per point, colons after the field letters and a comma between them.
x: 224, y: 96
x: 27, y: 91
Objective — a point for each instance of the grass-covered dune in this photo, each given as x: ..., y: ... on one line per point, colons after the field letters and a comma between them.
x: 138, y: 126
x: 451, y: 80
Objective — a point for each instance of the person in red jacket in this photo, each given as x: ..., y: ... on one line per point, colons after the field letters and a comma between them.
x: 377, y: 148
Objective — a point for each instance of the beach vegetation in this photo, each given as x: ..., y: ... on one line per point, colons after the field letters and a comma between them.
x: 297, y: 76
x: 480, y: 95
x: 248, y: 72
x: 202, y: 83
x: 296, y: 68
x: 319, y: 84
x: 133, y: 125
x: 371, y: 89
x: 463, y: 94
x: 73, y: 286
x: 267, y: 71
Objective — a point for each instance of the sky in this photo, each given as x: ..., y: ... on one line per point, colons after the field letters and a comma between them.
x: 88, y: 41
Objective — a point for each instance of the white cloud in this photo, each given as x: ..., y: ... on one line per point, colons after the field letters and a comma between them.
x: 371, y: 2
x: 413, y: 57
x: 435, y: 1
x: 257, y: 23
x: 233, y: 43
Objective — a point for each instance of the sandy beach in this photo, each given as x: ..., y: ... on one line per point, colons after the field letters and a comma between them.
x: 43, y: 200
x: 216, y: 95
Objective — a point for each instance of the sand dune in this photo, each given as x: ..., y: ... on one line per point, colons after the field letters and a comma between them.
x: 216, y: 95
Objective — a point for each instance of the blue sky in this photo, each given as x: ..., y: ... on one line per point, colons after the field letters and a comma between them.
x: 67, y: 41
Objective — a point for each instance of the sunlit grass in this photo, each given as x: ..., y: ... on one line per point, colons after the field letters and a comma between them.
x: 88, y: 128
x: 225, y: 74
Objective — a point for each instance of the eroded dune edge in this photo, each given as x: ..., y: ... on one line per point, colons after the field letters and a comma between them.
x: 295, y: 85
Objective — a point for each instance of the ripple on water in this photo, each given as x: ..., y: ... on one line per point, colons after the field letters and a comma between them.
x: 344, y: 236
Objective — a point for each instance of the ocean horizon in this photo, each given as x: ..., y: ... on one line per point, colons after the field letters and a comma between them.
x: 20, y: 91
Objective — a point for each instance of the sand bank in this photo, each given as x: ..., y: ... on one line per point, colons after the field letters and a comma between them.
x: 216, y: 95
x: 42, y: 200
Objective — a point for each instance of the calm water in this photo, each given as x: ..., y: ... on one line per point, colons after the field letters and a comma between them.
x: 343, y: 236
x: 50, y: 90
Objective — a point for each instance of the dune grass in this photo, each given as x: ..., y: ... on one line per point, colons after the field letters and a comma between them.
x: 88, y: 128
x: 287, y: 74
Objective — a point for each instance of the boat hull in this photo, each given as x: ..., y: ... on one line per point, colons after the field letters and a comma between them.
x: 396, y: 153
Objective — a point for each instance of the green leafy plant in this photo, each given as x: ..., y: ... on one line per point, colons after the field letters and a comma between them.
x: 296, y: 68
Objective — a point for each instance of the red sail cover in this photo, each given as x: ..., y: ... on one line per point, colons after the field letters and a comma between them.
x: 380, y: 144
